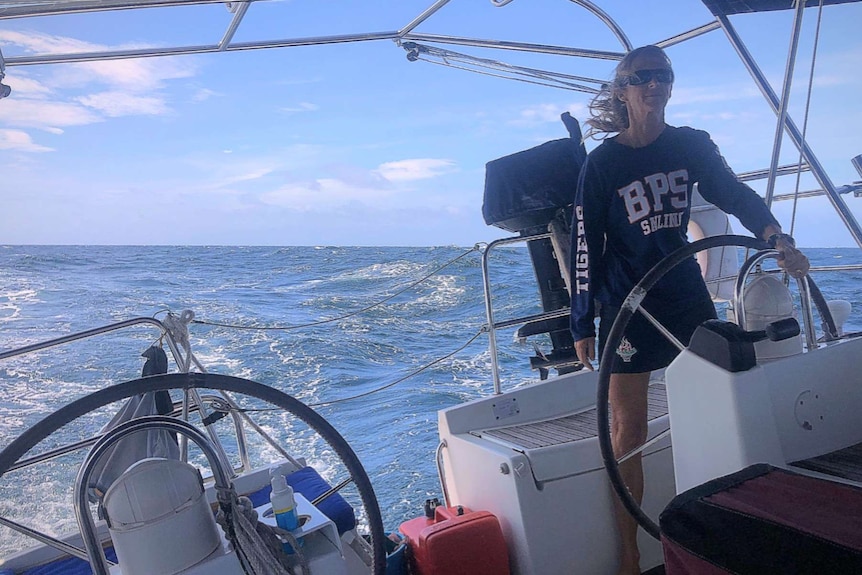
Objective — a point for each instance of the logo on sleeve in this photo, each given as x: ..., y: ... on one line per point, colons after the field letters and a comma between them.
x: 581, y: 273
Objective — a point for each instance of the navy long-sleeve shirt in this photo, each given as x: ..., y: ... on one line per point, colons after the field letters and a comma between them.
x: 632, y: 209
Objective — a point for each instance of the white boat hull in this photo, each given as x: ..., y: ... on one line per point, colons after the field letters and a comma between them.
x: 554, y: 502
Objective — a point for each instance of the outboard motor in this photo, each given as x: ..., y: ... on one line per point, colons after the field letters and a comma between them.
x: 532, y: 192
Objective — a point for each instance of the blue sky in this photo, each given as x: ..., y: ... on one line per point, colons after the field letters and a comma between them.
x: 352, y: 144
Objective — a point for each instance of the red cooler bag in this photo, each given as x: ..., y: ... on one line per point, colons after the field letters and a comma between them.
x: 763, y: 519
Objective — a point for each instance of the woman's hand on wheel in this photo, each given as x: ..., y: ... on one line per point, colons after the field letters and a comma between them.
x: 791, y: 260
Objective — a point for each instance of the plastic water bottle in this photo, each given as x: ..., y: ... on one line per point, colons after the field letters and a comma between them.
x: 284, y: 507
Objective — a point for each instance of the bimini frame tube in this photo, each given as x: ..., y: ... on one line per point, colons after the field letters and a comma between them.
x: 794, y: 133
x: 785, y: 101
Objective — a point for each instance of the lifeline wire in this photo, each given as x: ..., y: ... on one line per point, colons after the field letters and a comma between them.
x: 400, y: 379
x: 351, y: 314
x: 225, y: 410
x: 387, y: 386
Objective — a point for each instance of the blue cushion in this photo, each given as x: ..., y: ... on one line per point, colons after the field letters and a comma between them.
x: 310, y: 484
x: 258, y: 498
x: 68, y: 566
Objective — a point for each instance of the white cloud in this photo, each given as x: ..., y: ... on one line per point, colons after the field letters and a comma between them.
x: 546, y: 113
x: 45, y: 114
x: 540, y: 113
x: 415, y: 169
x: 135, y: 74
x: 222, y: 173
x: 115, y: 103
x: 225, y: 173
x: 23, y: 86
x: 85, y: 92
x: 301, y: 107
x: 833, y: 68
x: 247, y: 176
x: 713, y: 94
x: 45, y: 43
x: 203, y: 94
x: 299, y: 81
x: 20, y: 141
x: 321, y: 193
x: 693, y: 117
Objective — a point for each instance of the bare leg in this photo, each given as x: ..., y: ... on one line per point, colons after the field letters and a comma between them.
x: 628, y: 404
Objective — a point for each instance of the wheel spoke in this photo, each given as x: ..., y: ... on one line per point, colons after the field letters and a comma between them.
x: 662, y: 329
x: 630, y: 305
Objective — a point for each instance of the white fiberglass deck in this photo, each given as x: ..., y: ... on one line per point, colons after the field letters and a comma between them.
x: 564, y: 429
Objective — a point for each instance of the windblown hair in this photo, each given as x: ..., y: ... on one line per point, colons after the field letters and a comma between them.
x: 608, y: 113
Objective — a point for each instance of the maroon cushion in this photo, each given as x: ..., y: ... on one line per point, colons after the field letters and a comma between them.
x: 764, y: 520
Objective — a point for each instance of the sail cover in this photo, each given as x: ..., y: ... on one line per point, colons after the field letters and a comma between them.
x: 140, y: 445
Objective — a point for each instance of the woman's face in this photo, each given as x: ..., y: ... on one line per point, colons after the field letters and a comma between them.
x: 649, y: 85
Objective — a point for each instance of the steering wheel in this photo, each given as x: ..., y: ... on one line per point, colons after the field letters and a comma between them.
x: 628, y: 308
x: 184, y: 381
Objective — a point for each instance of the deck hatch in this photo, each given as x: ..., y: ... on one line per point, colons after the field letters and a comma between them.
x: 565, y: 429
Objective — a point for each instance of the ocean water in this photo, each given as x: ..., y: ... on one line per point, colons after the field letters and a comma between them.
x: 359, y: 349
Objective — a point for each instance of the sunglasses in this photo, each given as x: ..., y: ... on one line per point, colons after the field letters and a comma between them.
x: 641, y: 77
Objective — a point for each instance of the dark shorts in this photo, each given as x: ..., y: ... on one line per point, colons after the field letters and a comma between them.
x: 643, y: 348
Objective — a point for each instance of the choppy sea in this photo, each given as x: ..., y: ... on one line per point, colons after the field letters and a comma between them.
x: 390, y: 325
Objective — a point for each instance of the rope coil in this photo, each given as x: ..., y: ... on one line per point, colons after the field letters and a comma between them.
x: 178, y: 326
x: 258, y: 546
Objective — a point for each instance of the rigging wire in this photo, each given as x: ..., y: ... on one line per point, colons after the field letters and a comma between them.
x: 475, y: 248
x: 807, y: 111
x: 225, y: 409
x: 401, y: 379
